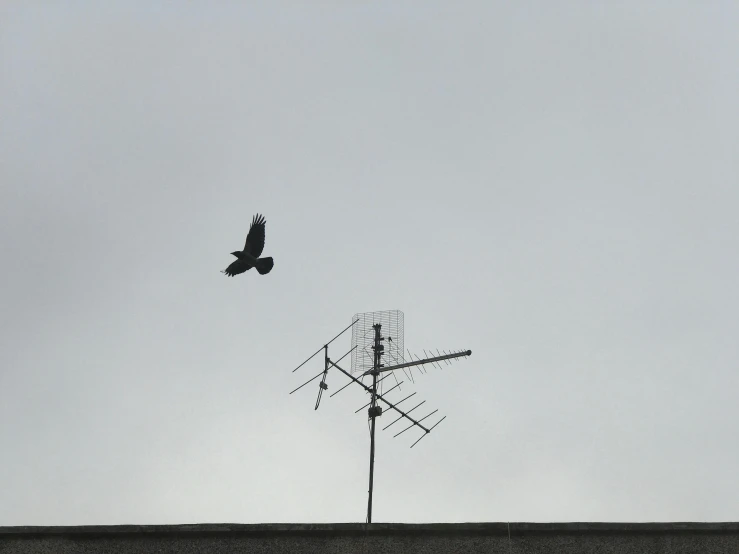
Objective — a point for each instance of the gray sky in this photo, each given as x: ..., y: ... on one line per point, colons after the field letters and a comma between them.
x: 551, y: 184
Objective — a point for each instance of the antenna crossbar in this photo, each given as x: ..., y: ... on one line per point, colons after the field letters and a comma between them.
x: 420, y: 362
x: 380, y: 397
x: 421, y: 426
x: 432, y: 428
x: 409, y: 411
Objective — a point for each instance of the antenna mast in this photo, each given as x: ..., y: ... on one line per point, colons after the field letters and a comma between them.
x: 374, y: 411
x: 367, y: 359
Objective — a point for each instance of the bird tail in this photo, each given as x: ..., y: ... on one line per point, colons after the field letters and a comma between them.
x: 264, y: 265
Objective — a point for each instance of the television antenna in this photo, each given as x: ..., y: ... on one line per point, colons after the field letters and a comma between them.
x: 367, y: 355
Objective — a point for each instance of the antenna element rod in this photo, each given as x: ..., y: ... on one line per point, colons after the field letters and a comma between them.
x: 329, y: 342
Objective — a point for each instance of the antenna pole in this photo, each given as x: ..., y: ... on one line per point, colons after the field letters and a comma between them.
x: 373, y: 413
x: 367, y: 335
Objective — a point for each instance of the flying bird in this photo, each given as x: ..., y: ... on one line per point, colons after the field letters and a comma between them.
x: 249, y: 256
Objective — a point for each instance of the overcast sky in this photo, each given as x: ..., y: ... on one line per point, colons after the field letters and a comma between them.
x: 554, y: 185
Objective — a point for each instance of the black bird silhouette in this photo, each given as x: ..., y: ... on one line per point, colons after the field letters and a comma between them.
x: 249, y: 257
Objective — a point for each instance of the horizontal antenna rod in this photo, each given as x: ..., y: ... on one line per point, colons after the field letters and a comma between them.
x: 419, y: 362
x: 379, y: 397
x: 421, y: 426
x: 432, y: 428
x: 324, y: 371
x: 409, y: 411
x: 324, y: 346
x: 307, y: 382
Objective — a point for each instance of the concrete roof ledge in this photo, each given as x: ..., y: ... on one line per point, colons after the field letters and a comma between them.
x: 499, y: 528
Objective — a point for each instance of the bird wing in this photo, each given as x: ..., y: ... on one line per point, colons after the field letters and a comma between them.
x: 239, y: 266
x: 255, y: 239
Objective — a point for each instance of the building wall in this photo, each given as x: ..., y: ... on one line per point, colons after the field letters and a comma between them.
x: 378, y: 538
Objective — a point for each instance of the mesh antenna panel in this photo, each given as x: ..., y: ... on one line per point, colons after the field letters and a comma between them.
x: 363, y: 339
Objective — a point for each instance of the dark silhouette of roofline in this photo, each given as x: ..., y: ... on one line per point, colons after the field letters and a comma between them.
x: 317, y: 529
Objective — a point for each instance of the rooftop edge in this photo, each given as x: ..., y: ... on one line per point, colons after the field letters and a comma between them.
x: 497, y: 528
